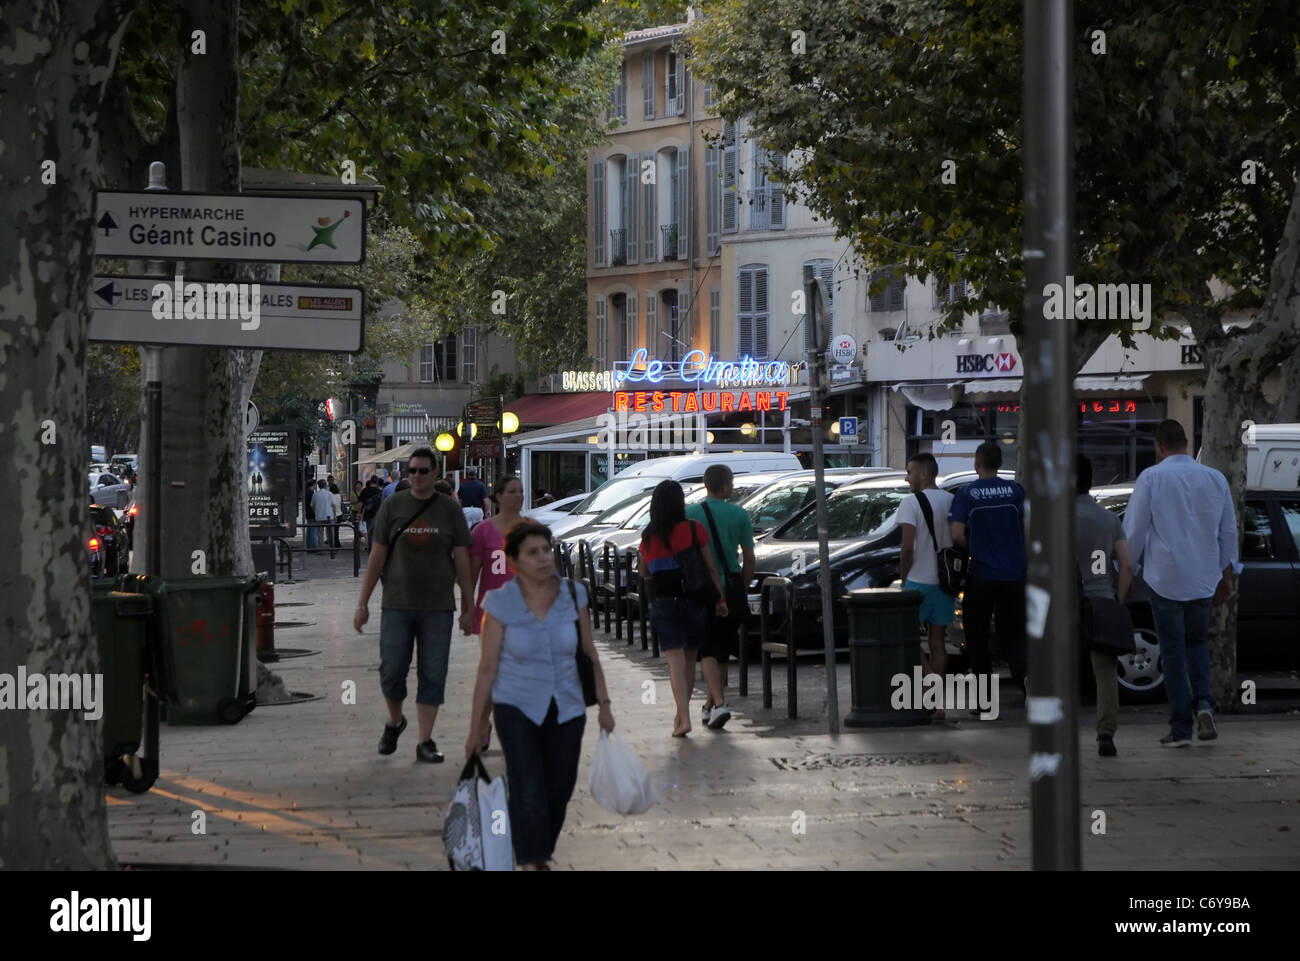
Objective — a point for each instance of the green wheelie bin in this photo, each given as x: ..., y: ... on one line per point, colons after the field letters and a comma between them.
x: 124, y: 625
x: 209, y: 626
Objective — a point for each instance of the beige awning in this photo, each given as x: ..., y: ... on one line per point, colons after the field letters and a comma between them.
x: 388, y: 456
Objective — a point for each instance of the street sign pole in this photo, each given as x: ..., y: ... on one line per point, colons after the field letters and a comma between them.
x: 818, y: 317
x: 152, y: 357
x: 1047, y: 439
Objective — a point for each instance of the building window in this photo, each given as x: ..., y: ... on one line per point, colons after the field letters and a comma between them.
x: 674, y: 84
x: 752, y: 311
x: 946, y: 294
x: 766, y: 199
x: 824, y: 269
x: 618, y: 97
x: 438, y: 361
x: 469, y: 355
x: 891, y: 297
x: 618, y: 212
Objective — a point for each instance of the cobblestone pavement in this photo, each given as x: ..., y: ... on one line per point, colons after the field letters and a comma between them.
x: 301, y: 785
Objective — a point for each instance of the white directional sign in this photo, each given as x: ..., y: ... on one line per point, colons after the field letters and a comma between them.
x: 254, y: 316
x: 173, y: 225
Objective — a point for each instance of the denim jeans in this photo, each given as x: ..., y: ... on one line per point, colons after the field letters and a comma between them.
x: 311, y: 537
x: 399, y: 631
x: 541, y: 770
x: 1183, y: 627
x: 984, y: 601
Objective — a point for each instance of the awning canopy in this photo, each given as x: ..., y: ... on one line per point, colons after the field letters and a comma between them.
x: 545, y: 410
x: 929, y: 396
x: 388, y: 456
x: 1104, y: 382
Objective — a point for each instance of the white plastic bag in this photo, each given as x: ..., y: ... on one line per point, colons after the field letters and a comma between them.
x: 476, y: 825
x: 494, y: 818
x: 619, y: 782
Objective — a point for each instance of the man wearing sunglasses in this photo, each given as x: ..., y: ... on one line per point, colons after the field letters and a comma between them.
x: 421, y: 552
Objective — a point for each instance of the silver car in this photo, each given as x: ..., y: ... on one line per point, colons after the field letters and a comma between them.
x: 108, y: 490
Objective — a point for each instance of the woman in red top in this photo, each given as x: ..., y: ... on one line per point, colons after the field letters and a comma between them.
x: 678, y: 619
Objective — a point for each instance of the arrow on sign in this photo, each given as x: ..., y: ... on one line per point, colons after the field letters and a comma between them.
x: 107, y: 224
x: 108, y: 292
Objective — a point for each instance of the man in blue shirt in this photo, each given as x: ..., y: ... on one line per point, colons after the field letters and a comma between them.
x: 987, y: 519
x: 1182, y: 528
x: 391, y: 487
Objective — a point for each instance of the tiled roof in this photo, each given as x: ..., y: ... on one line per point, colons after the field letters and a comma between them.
x: 653, y: 33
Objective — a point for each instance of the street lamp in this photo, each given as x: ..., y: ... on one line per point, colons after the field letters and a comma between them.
x: 748, y: 429
x: 444, y: 443
x: 509, y: 422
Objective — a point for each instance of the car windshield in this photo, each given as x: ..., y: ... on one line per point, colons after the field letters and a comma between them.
x: 614, y: 492
x: 772, y: 506
x: 850, y: 513
x: 621, y: 512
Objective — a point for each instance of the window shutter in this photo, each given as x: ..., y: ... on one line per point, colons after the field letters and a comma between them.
x: 760, y: 313
x: 598, y: 212
x: 715, y: 319
x: 681, y: 84
x: 894, y: 293
x: 684, y: 332
x: 776, y: 195
x: 622, y: 94
x: 602, y: 333
x: 648, y: 83
x: 683, y: 203
x: 824, y: 269
x: 652, y: 345
x: 632, y: 169
x: 712, y: 199
x: 448, y: 359
x: 632, y: 342
x: 745, y: 312
x: 651, y: 215
x: 729, y: 179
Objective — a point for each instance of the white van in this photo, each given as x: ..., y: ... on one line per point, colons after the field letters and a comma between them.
x: 686, y: 468
x: 1273, y: 460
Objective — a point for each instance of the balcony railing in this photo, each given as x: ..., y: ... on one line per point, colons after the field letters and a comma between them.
x: 759, y: 209
x: 668, y: 241
x: 618, y: 247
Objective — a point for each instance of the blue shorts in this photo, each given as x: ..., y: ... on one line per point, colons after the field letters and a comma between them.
x: 937, y: 605
x: 398, y: 633
x: 679, y: 622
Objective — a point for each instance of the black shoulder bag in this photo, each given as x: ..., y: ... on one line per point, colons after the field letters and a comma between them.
x: 1104, y: 622
x: 951, y: 563
x: 731, y: 584
x: 392, y: 541
x: 586, y: 668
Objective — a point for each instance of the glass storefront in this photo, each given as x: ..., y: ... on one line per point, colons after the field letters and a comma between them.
x: 1115, y: 433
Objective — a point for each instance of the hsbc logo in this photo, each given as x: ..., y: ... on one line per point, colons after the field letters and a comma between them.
x: 985, y: 363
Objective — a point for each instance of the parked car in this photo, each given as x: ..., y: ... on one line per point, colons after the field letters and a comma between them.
x: 113, y: 545
x: 780, y: 499
x: 865, y: 551
x: 647, y: 474
x: 556, y: 510
x: 1268, y: 606
x: 108, y: 490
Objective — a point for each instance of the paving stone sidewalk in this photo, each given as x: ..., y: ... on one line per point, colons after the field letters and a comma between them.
x: 301, y: 786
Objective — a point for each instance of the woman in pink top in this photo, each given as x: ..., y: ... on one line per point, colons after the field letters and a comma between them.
x: 487, y: 556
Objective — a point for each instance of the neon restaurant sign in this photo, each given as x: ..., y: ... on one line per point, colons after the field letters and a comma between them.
x: 703, y: 371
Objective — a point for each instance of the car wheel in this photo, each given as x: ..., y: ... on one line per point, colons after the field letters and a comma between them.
x: 1141, y: 674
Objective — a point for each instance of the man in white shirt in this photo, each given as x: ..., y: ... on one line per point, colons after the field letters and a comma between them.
x: 1182, y: 530
x: 322, y: 504
x: 919, y: 564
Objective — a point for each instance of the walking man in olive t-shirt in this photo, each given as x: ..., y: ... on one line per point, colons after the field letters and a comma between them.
x: 422, y: 538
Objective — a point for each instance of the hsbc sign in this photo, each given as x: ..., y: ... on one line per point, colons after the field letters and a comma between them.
x: 985, y: 363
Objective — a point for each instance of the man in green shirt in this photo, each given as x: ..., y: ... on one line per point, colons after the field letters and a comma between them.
x: 731, y: 538
x: 421, y: 550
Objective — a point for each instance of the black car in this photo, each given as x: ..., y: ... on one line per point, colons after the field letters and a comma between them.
x: 866, y: 546
x: 1268, y: 608
x: 107, y: 543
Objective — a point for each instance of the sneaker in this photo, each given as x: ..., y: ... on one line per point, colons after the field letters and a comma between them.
x: 1205, y: 729
x: 705, y: 714
x: 1106, y: 747
x: 428, y: 751
x: 388, y: 741
x: 1173, y: 740
x: 718, y: 717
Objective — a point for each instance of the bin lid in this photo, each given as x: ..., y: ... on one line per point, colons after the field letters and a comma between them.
x: 881, y: 596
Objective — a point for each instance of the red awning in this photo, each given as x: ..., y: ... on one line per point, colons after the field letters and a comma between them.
x: 546, y: 410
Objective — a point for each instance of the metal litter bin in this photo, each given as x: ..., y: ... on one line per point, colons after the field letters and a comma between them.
x: 883, y: 643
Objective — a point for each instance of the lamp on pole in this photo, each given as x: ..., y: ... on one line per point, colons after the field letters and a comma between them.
x: 444, y: 442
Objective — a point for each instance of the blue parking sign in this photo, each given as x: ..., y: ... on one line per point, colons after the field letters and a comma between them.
x: 848, y: 427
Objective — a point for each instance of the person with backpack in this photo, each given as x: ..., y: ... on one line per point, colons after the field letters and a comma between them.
x: 922, y: 519
x: 731, y: 533
x: 422, y: 553
x: 684, y: 587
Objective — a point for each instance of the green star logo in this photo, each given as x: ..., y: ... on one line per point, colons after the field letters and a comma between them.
x: 325, y: 232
